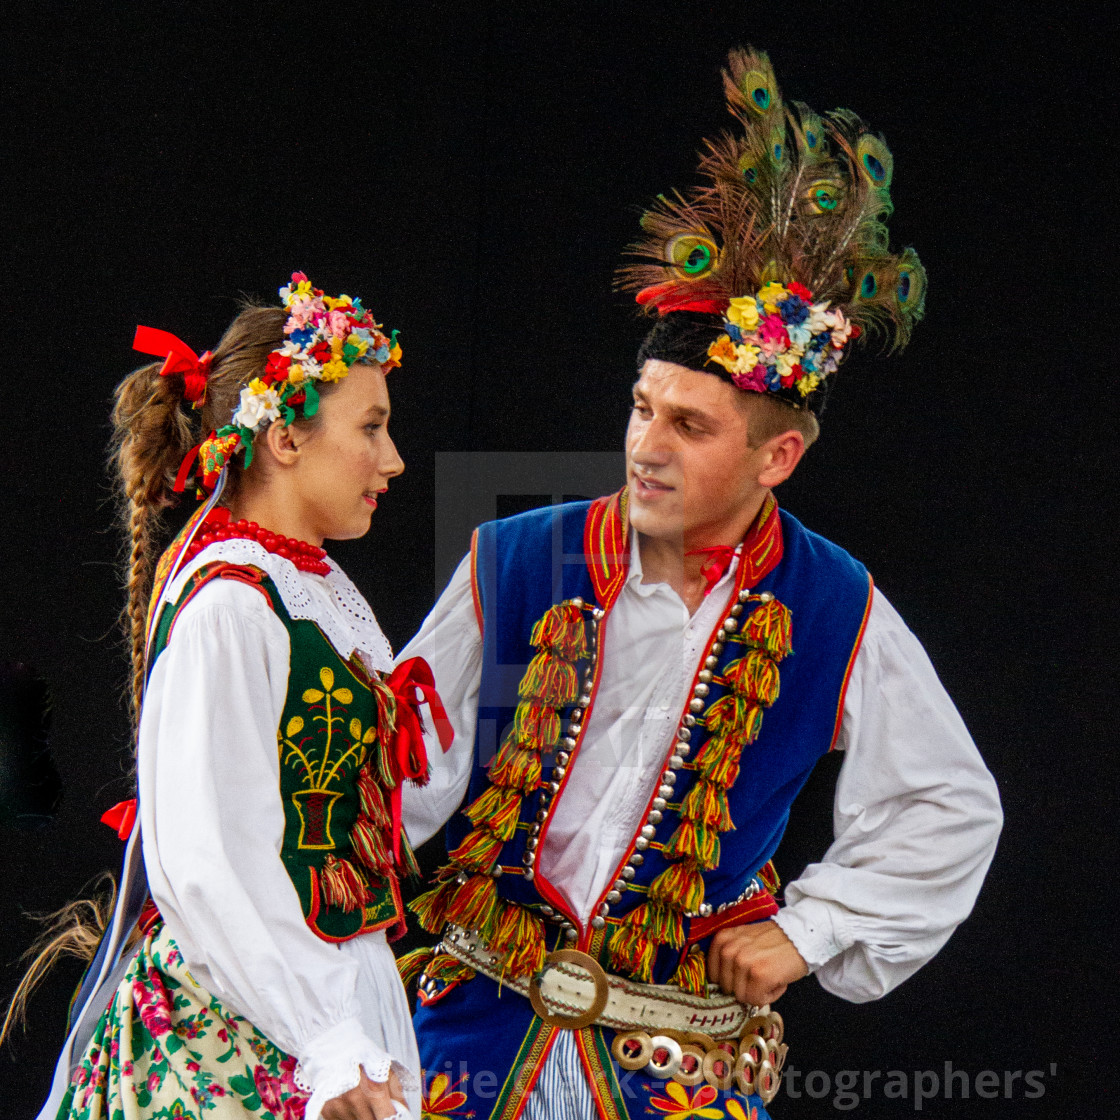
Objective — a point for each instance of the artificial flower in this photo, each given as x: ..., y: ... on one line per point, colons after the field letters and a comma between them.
x: 806, y: 384
x: 723, y: 351
x: 784, y: 364
x: 799, y: 336
x: 841, y: 328
x: 818, y: 321
x: 743, y: 312
x: 770, y: 295
x: 753, y: 380
x: 800, y: 291
x: 746, y: 357
x: 259, y: 404
x: 772, y: 334
x: 793, y: 310
x: 334, y: 370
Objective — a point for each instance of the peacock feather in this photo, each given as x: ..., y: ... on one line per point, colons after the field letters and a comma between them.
x: 788, y: 195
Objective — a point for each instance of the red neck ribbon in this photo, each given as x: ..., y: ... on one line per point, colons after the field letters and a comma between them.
x: 412, y: 683
x: 719, y: 560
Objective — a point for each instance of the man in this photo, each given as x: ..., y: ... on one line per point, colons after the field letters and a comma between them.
x: 663, y: 668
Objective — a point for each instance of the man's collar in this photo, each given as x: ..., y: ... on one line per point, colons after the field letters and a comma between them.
x: 612, y: 556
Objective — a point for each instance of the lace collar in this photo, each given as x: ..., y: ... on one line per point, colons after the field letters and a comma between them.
x: 332, y: 601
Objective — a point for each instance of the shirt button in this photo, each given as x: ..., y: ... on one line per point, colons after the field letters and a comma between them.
x: 663, y: 706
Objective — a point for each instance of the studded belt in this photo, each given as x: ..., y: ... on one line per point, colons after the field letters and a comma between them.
x: 669, y: 1034
x: 572, y: 990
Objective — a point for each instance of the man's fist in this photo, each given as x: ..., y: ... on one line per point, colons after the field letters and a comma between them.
x: 755, y: 963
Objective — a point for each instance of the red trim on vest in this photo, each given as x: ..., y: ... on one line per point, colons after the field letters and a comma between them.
x: 851, y: 664
x: 474, y: 581
x: 763, y: 545
x: 606, y: 546
x: 755, y: 909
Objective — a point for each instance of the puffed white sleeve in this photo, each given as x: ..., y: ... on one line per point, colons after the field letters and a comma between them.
x: 916, y: 818
x: 451, y: 642
x: 213, y: 827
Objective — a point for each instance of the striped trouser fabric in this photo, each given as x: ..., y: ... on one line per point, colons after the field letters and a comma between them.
x: 561, y: 1091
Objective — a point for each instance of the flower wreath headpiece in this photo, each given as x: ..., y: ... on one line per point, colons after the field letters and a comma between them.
x: 784, y: 244
x: 326, y: 336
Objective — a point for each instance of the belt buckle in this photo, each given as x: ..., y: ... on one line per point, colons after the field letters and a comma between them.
x: 598, y: 978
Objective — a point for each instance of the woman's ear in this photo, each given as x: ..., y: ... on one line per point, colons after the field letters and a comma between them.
x: 280, y: 442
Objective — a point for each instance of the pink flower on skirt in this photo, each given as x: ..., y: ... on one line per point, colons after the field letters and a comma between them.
x: 268, y: 1089
x: 154, y: 1082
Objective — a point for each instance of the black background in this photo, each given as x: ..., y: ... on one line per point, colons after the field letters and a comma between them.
x: 473, y: 174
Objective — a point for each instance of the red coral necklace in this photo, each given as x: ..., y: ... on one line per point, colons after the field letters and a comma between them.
x: 219, y: 526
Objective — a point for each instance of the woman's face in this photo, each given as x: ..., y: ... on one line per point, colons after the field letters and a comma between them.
x: 346, y: 458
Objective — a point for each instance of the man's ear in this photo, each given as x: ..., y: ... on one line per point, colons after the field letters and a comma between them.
x: 781, y: 456
x: 281, y: 444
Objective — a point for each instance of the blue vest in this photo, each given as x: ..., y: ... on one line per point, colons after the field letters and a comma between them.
x: 521, y: 567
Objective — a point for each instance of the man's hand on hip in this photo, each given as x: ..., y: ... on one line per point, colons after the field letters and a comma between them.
x: 755, y: 963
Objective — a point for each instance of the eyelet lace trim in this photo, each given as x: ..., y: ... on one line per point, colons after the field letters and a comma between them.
x: 343, y: 1080
x: 350, y: 626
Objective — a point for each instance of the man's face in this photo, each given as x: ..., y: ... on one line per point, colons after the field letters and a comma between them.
x: 690, y: 469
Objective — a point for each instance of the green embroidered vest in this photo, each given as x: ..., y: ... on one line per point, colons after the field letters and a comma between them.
x: 335, y: 778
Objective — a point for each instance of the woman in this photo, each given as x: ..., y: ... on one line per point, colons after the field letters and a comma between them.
x: 270, y: 748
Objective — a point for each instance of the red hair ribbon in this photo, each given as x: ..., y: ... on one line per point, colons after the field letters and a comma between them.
x: 412, y: 683
x: 121, y: 817
x: 719, y: 560
x: 178, y: 358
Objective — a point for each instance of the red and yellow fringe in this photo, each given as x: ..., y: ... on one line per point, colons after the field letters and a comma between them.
x: 733, y: 721
x: 342, y: 885
x: 550, y: 682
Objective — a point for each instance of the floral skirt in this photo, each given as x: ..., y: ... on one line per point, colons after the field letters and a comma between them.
x: 166, y: 1049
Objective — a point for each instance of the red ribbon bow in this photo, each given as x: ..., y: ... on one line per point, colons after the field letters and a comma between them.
x: 720, y: 557
x: 178, y: 358
x: 121, y: 817
x: 412, y: 683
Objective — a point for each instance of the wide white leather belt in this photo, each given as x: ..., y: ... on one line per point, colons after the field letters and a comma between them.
x: 572, y: 990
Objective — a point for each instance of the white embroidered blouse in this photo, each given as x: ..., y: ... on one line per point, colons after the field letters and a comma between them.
x: 213, y: 824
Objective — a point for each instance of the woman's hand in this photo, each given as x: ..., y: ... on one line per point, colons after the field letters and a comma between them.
x: 368, y: 1100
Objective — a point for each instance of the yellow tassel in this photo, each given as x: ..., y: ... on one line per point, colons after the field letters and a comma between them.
x: 753, y: 677
x: 370, y: 847
x: 696, y: 841
x: 475, y: 906
x: 561, y: 629
x: 769, y: 627
x: 520, y: 936
x: 479, y: 849
x: 717, y: 761
x: 732, y: 713
x: 692, y: 973
x: 768, y: 876
x: 497, y: 809
x: 633, y: 951
x: 341, y: 885
x: 680, y: 886
x: 408, y: 863
x: 536, y: 726
x: 516, y: 768
x: 707, y: 802
x: 430, y: 907
x: 550, y: 680
x: 371, y: 801
x: 447, y: 969
x: 412, y: 964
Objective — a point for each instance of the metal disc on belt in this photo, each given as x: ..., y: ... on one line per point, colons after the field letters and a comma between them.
x: 598, y: 977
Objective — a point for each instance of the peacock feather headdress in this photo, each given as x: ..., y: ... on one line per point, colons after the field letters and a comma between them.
x: 783, y: 246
